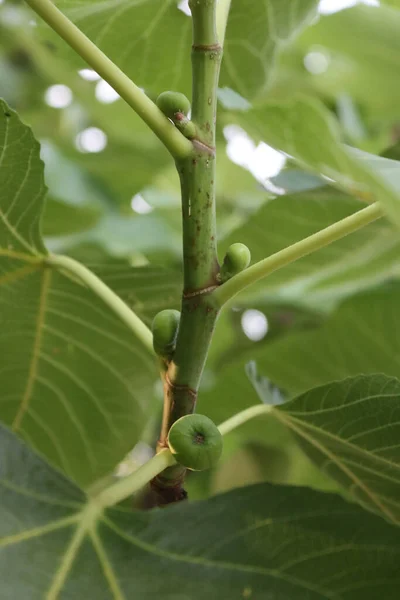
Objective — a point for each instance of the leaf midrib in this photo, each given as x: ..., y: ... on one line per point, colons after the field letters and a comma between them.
x: 33, y: 367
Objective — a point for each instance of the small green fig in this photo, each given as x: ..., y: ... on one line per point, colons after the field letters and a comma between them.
x: 237, y: 259
x: 196, y: 442
x: 185, y: 126
x: 165, y: 330
x: 171, y: 103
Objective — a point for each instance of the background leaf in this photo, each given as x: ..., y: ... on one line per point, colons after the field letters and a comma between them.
x: 306, y: 131
x: 293, y: 542
x: 76, y: 383
x: 350, y: 429
x: 247, y: 43
x: 142, y: 38
x: 151, y: 40
x: 62, y: 218
x: 360, y: 337
x: 363, y: 62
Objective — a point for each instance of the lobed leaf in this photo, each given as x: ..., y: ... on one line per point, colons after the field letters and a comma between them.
x: 22, y: 188
x: 75, y: 382
x: 351, y: 430
x: 285, y: 542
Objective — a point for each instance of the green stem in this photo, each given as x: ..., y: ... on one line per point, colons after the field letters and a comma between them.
x: 174, y: 141
x: 117, y: 305
x: 198, y: 172
x: 132, y: 483
x: 244, y: 416
x: 280, y: 259
x: 197, y: 175
x: 127, y: 486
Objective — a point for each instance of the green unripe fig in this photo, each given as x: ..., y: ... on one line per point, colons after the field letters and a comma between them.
x: 237, y: 259
x: 165, y: 329
x: 196, y: 442
x: 171, y: 103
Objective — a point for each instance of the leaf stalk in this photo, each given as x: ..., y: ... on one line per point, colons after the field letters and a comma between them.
x: 284, y: 257
x: 117, y: 305
x: 171, y: 137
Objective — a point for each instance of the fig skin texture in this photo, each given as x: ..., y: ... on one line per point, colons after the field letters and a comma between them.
x: 171, y: 103
x: 237, y: 259
x: 196, y: 442
x: 165, y: 329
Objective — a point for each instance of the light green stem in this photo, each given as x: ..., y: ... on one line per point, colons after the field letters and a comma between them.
x: 171, y: 137
x: 117, y: 305
x: 241, y: 418
x: 292, y: 253
x: 223, y: 9
x: 129, y: 485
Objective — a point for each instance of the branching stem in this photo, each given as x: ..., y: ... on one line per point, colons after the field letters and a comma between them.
x: 132, y: 483
x: 280, y: 259
x: 127, y: 486
x: 244, y: 416
x: 174, y: 141
x: 114, y: 302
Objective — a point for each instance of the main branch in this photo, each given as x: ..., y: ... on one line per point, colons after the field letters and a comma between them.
x: 174, y: 141
x: 197, y: 175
